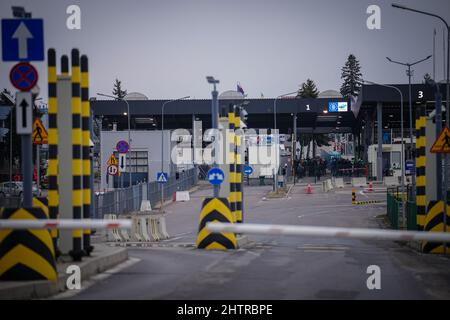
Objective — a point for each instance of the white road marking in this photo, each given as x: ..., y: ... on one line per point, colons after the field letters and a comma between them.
x: 96, y: 278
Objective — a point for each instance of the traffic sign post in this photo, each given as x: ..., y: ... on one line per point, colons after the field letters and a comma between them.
x: 112, y: 161
x: 122, y: 162
x: 215, y: 176
x: 112, y: 170
x: 23, y: 76
x: 442, y: 143
x: 24, y: 113
x: 40, y: 135
x: 122, y: 146
x: 248, y: 170
x: 161, y: 178
x: 24, y: 126
x: 23, y: 39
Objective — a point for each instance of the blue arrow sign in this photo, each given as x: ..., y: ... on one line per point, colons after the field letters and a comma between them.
x: 215, y: 176
x: 162, y: 177
x: 23, y: 39
x: 248, y: 170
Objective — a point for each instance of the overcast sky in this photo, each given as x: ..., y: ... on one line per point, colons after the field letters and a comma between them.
x: 164, y: 49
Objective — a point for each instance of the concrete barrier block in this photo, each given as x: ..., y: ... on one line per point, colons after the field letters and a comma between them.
x: 359, y: 182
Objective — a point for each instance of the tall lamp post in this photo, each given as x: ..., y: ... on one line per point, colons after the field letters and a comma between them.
x: 162, y: 144
x: 214, y: 122
x: 129, y: 126
x: 447, y: 96
x: 275, y: 175
x: 409, y: 74
x: 402, y: 147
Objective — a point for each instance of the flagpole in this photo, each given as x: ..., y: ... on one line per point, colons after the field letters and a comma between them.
x: 434, y: 54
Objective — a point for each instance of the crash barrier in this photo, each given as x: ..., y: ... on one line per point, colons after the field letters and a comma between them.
x: 339, y: 183
x: 144, y: 228
x: 391, y: 181
x: 359, y: 182
x: 128, y: 200
x: 26, y: 252
x: 327, y: 185
x: 215, y: 209
x: 366, y: 202
x: 181, y: 196
x: 331, y: 232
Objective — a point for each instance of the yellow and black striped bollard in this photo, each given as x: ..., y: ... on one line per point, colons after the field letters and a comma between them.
x: 421, y: 200
x: 53, y: 195
x: 353, y: 196
x: 239, y: 169
x: 86, y: 137
x: 232, y: 161
x: 77, y: 169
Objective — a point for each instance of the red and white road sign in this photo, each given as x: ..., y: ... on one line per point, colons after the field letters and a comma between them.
x: 113, y: 170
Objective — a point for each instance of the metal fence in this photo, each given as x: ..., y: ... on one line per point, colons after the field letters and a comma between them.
x: 394, y: 208
x: 126, y: 200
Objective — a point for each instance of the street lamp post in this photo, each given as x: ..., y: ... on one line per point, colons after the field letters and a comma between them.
x: 275, y: 175
x: 162, y: 144
x: 447, y: 96
x: 409, y: 74
x: 402, y: 147
x: 129, y: 128
x: 215, y: 123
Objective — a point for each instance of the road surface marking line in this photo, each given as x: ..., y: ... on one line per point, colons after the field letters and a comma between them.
x: 97, y: 278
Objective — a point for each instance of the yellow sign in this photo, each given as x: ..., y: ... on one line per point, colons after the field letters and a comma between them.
x: 40, y: 135
x: 112, y: 161
x: 442, y: 144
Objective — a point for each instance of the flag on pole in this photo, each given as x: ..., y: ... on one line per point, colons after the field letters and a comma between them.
x: 239, y: 88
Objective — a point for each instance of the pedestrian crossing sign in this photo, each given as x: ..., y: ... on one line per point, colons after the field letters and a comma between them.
x: 162, y: 177
x: 112, y: 161
x: 442, y: 144
x: 40, y: 135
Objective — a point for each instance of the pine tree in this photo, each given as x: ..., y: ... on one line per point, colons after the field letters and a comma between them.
x: 117, y: 91
x: 351, y: 73
x: 308, y: 89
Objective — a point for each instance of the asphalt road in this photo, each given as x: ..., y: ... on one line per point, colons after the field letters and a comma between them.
x: 273, y: 267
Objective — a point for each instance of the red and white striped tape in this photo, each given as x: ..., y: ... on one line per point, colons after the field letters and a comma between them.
x: 355, y: 233
x: 65, y: 224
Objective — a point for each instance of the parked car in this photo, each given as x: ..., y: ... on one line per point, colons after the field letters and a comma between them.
x: 15, y: 189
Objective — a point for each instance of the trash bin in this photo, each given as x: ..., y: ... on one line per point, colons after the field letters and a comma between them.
x: 261, y: 180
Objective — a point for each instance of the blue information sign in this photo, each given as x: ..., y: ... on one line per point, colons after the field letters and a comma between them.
x: 215, y: 176
x: 248, y: 170
x: 23, y: 39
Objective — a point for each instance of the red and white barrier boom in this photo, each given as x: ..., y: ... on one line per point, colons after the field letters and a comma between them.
x: 355, y: 233
x: 67, y: 224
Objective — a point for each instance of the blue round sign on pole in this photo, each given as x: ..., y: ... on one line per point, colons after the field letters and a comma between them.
x: 23, y: 76
x: 215, y: 176
x: 122, y: 146
x: 248, y: 170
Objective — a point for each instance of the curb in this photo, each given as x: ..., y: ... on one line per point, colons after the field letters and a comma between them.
x: 15, y: 290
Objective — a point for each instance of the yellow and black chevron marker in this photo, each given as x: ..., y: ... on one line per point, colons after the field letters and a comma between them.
x: 421, y: 200
x: 363, y: 202
x: 368, y: 202
x: 434, y: 222
x: 42, y: 203
x: 215, y: 209
x: 26, y: 254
